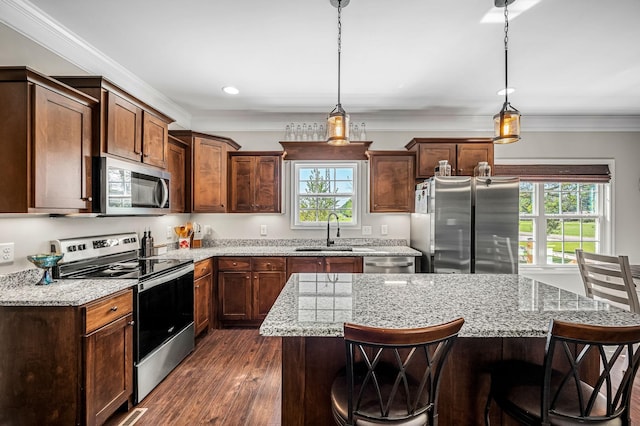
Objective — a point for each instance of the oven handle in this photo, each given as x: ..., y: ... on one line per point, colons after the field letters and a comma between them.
x: 177, y: 273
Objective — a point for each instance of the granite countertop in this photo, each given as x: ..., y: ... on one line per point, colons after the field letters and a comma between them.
x: 19, y: 289
x: 197, y: 254
x: 492, y: 305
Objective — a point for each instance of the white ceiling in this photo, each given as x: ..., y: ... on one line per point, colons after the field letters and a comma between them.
x: 406, y: 61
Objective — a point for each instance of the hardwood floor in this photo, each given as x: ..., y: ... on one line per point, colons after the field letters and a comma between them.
x: 233, y: 378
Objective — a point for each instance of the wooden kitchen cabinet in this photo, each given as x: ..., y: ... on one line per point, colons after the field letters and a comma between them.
x: 125, y: 126
x: 208, y: 170
x: 202, y: 294
x: 462, y: 153
x: 248, y: 287
x: 254, y: 182
x: 45, y: 144
x: 75, y: 363
x: 392, y: 181
x: 178, y: 164
x: 319, y: 264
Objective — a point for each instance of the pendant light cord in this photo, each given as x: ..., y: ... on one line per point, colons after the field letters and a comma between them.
x: 339, y: 44
x: 506, y: 50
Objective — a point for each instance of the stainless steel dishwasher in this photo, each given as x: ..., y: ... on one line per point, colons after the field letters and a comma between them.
x: 389, y: 265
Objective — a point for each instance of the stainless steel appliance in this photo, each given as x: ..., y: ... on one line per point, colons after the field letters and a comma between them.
x: 471, y: 225
x: 163, y: 299
x: 125, y: 188
x: 389, y: 265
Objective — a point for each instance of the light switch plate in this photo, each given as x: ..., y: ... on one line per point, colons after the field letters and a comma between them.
x: 384, y: 230
x: 263, y: 230
x: 6, y: 253
x: 366, y: 230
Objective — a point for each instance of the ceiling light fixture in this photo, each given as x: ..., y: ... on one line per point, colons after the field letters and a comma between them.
x: 506, y: 123
x: 338, y: 121
x: 230, y: 90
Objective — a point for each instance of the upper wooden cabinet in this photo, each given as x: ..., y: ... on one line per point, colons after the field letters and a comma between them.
x: 125, y: 127
x: 45, y: 144
x: 463, y: 154
x: 254, y: 182
x: 392, y: 179
x: 208, y: 170
x: 178, y: 164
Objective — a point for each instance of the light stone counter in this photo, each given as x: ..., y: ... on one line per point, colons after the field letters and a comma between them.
x: 492, y: 305
x: 19, y: 289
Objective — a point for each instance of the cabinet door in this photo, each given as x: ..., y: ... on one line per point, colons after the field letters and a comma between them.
x: 234, y: 295
x: 209, y: 161
x: 109, y: 369
x: 176, y: 165
x: 241, y: 184
x: 267, y: 184
x: 124, y: 128
x: 304, y: 264
x: 155, y: 133
x: 470, y: 154
x: 392, y: 183
x: 61, y: 152
x: 352, y: 265
x: 430, y: 153
x: 266, y: 288
x: 202, y: 301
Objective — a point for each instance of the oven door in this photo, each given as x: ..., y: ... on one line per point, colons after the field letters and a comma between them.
x: 164, y: 308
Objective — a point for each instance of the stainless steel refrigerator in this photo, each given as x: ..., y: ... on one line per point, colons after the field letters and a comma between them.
x: 470, y: 225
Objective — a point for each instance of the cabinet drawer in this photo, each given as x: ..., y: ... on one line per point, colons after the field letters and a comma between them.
x: 234, y: 263
x: 269, y: 263
x: 101, y: 313
x: 202, y: 268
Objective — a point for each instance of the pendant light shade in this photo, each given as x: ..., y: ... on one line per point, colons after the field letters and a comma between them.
x: 338, y: 121
x: 506, y: 123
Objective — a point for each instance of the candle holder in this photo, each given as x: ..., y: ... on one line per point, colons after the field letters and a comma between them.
x: 46, y: 262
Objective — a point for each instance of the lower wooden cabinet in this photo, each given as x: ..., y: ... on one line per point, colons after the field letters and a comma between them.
x: 202, y: 292
x: 335, y: 264
x: 66, y: 365
x: 248, y: 287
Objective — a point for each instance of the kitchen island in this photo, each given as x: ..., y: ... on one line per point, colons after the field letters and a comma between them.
x: 506, y: 316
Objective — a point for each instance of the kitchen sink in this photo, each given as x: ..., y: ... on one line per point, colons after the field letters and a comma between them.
x: 336, y: 248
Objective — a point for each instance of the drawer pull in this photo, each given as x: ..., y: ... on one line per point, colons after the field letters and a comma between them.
x: 114, y: 308
x: 131, y: 323
x: 235, y: 264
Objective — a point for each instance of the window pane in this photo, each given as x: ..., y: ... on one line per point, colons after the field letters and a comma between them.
x: 569, y: 202
x: 588, y: 199
x: 526, y: 246
x: 526, y: 202
x: 308, y: 215
x: 551, y: 202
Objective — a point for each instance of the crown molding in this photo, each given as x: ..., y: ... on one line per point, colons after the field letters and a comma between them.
x: 33, y: 23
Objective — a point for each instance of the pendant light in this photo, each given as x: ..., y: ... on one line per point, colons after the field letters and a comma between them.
x: 506, y: 123
x: 338, y: 121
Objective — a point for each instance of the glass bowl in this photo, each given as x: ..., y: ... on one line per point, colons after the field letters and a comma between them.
x: 45, y: 262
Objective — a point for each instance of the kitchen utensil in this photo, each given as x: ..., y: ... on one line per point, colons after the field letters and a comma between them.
x: 45, y: 262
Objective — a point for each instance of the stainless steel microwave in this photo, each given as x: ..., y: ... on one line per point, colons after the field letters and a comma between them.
x: 125, y: 188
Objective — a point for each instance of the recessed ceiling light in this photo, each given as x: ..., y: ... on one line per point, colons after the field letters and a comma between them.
x: 230, y: 90
x: 509, y: 91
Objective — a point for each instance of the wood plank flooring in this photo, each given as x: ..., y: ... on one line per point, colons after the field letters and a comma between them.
x: 233, y: 379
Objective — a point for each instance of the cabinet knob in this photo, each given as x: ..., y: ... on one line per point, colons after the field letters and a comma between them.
x: 248, y: 277
x: 197, y: 286
x: 235, y: 264
x: 131, y: 323
x: 114, y: 308
x: 86, y: 199
x: 255, y: 277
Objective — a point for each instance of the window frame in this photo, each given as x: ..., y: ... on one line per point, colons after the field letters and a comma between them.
x: 356, y: 194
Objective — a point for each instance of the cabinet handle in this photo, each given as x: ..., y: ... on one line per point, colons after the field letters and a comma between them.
x: 235, y: 264
x: 86, y: 199
x: 248, y: 277
x: 114, y: 308
x: 197, y: 286
x: 131, y: 323
x: 255, y: 277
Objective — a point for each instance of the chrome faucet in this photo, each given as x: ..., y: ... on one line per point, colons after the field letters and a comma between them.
x: 329, y: 240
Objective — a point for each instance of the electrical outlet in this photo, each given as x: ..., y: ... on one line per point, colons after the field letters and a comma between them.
x: 6, y: 253
x: 366, y: 230
x: 384, y: 230
x: 263, y: 230
x: 169, y: 233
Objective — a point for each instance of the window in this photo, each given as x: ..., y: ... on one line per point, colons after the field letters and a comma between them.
x: 556, y: 218
x: 321, y: 188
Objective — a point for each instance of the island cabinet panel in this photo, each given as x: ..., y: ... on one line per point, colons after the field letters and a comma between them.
x: 178, y: 154
x: 45, y: 144
x: 202, y: 287
x: 313, y: 264
x: 207, y: 170
x: 392, y: 180
x: 254, y: 182
x: 69, y: 365
x: 463, y: 154
x: 125, y: 127
x: 248, y: 287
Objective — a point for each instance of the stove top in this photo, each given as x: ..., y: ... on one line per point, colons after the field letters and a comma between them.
x: 108, y: 256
